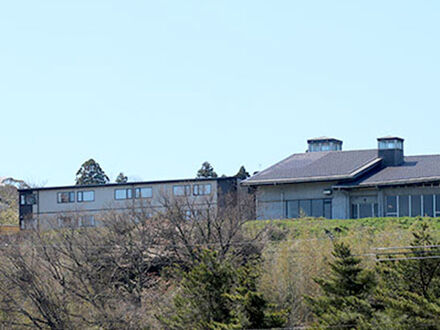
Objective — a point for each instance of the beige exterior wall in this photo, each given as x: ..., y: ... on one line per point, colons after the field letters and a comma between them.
x: 47, y: 209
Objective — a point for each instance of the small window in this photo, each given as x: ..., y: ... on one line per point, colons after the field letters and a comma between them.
x: 416, y: 205
x: 202, y: 189
x: 22, y: 200
x: 86, y: 196
x: 144, y: 192
x: 66, y: 197
x: 428, y: 205
x: 391, y: 206
x: 182, y: 190
x: 87, y: 221
x: 66, y: 222
x: 403, y: 206
x: 123, y: 193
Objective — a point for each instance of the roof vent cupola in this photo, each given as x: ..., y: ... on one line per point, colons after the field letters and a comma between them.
x: 324, y: 144
x: 391, y: 150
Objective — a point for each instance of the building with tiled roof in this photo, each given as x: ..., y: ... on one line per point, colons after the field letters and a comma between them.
x: 328, y: 182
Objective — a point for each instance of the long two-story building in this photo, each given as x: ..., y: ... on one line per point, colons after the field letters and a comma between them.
x: 82, y: 206
x: 328, y: 182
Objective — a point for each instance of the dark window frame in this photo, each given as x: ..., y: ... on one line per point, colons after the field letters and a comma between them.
x: 81, y: 199
x: 70, y: 199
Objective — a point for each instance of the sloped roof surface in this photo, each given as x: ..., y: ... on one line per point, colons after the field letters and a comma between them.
x: 414, y: 168
x: 324, y: 165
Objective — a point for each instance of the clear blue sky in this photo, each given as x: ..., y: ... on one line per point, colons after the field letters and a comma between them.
x: 154, y: 88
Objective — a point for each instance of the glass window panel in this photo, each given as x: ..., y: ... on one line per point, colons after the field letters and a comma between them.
x: 22, y: 199
x: 178, y: 190
x: 327, y: 209
x: 317, y: 208
x: 66, y: 197
x: 403, y: 206
x: 428, y: 205
x: 87, y: 221
x: 354, y: 211
x: 365, y: 210
x: 208, y: 189
x: 88, y: 196
x: 120, y: 193
x: 391, y: 205
x: 144, y: 192
x: 376, y: 209
x: 416, y: 206
x: 305, y: 208
x: 292, y: 209
x: 437, y: 204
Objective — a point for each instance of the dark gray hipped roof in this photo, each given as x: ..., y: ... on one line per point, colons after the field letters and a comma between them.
x: 317, y: 166
x: 414, y: 169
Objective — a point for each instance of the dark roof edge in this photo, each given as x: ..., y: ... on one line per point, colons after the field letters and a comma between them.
x: 390, y: 183
x: 129, y: 183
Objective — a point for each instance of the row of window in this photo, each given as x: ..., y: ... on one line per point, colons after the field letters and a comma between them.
x: 81, y: 196
x: 197, y: 190
x: 309, y: 208
x: 76, y: 222
x: 412, y: 205
x: 127, y: 193
x: 364, y: 210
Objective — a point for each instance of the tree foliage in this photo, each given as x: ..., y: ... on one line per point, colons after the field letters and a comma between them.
x: 216, y: 295
x: 206, y: 171
x: 121, y: 178
x: 347, y: 292
x: 91, y: 172
x: 242, y: 174
x: 409, y: 290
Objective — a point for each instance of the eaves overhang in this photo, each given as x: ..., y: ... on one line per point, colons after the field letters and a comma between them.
x: 397, y: 182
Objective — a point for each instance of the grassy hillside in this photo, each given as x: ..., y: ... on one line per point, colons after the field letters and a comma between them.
x: 316, y: 228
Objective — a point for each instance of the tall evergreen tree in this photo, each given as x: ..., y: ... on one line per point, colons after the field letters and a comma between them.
x: 347, y: 292
x: 91, y: 172
x: 121, y: 178
x: 242, y: 174
x: 409, y: 289
x: 216, y: 295
x: 206, y: 171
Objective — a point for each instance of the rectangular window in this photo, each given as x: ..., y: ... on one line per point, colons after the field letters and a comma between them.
x: 182, y: 190
x: 428, y: 205
x: 416, y: 205
x: 22, y: 200
x: 305, y: 208
x: 403, y: 206
x: 123, y: 193
x: 354, y: 211
x: 202, y: 189
x: 292, y: 209
x: 66, y: 197
x: 87, y: 221
x: 146, y: 192
x: 317, y: 208
x: 66, y: 222
x: 391, y: 206
x: 85, y: 196
x: 437, y: 205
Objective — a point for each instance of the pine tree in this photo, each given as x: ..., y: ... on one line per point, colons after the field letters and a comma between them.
x: 242, y: 174
x: 347, y: 292
x: 206, y: 171
x: 409, y: 289
x: 91, y: 173
x: 216, y: 295
x: 121, y: 178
